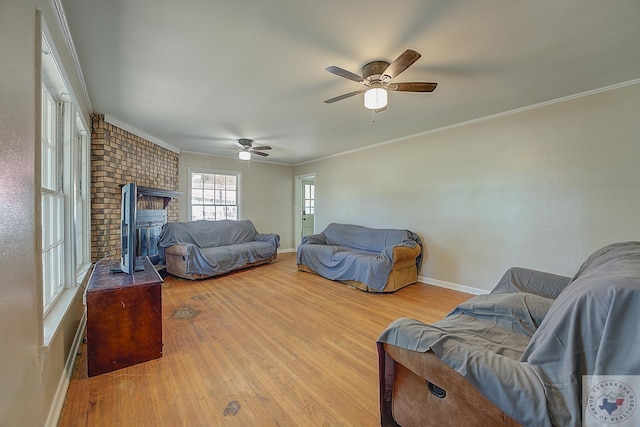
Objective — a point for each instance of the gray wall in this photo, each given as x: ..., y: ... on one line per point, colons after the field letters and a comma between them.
x: 30, y: 374
x: 267, y: 192
x: 541, y: 188
x: 20, y: 397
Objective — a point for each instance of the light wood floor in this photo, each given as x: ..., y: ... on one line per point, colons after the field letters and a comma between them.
x: 268, y: 346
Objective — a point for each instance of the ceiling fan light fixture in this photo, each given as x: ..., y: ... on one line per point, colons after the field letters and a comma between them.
x: 375, y: 98
x: 244, y: 155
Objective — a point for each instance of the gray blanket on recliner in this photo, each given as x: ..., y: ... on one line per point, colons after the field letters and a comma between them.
x: 528, y: 353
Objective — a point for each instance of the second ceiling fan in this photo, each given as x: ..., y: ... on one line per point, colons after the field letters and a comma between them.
x: 246, y: 147
x: 377, y: 76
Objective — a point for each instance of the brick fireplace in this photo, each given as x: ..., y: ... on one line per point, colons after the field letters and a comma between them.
x: 117, y: 158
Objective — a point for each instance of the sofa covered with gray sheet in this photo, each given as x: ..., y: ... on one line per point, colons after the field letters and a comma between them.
x: 370, y: 259
x: 201, y: 249
x: 519, y: 354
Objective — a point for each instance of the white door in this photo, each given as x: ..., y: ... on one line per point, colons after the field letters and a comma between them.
x: 304, y: 207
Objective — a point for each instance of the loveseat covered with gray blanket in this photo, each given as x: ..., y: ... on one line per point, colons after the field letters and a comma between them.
x: 539, y: 350
x: 371, y: 259
x: 200, y: 249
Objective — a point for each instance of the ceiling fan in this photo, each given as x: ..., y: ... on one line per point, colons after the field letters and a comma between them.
x: 377, y: 76
x: 246, y: 148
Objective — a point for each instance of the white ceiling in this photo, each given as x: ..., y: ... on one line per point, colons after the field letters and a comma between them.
x: 199, y: 74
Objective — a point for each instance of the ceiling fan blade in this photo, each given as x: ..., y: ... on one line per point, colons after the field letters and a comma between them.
x: 401, y: 63
x: 413, y: 86
x: 240, y: 146
x: 344, y: 73
x: 262, y: 147
x: 260, y: 153
x: 346, y: 95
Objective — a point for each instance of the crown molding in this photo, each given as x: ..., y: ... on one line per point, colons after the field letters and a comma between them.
x: 62, y: 21
x: 125, y: 126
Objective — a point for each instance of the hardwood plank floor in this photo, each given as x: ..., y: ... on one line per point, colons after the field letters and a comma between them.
x: 265, y: 346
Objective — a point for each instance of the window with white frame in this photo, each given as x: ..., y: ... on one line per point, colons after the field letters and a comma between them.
x: 309, y: 199
x: 82, y: 225
x: 214, y: 194
x: 64, y: 172
x: 52, y: 210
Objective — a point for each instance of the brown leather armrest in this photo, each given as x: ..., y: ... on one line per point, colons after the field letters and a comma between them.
x: 403, y: 253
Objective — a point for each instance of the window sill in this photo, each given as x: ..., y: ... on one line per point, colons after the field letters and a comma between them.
x: 53, y: 320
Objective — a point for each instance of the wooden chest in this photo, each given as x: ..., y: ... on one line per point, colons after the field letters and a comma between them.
x: 124, y: 317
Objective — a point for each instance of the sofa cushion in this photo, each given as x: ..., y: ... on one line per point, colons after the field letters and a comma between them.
x: 223, y: 259
x: 364, y: 238
x: 337, y: 262
x: 206, y: 234
x: 524, y: 280
x: 516, y: 312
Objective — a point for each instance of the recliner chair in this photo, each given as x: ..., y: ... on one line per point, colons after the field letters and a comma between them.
x: 520, y: 354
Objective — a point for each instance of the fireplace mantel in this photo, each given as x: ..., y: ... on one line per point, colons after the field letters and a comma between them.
x: 166, y: 195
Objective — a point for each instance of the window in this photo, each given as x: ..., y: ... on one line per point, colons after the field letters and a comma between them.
x: 309, y: 203
x: 82, y: 224
x: 64, y: 180
x: 214, y: 195
x: 52, y: 210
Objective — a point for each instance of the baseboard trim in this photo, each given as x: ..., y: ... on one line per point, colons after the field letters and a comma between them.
x: 453, y: 286
x: 63, y: 385
x: 284, y: 251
